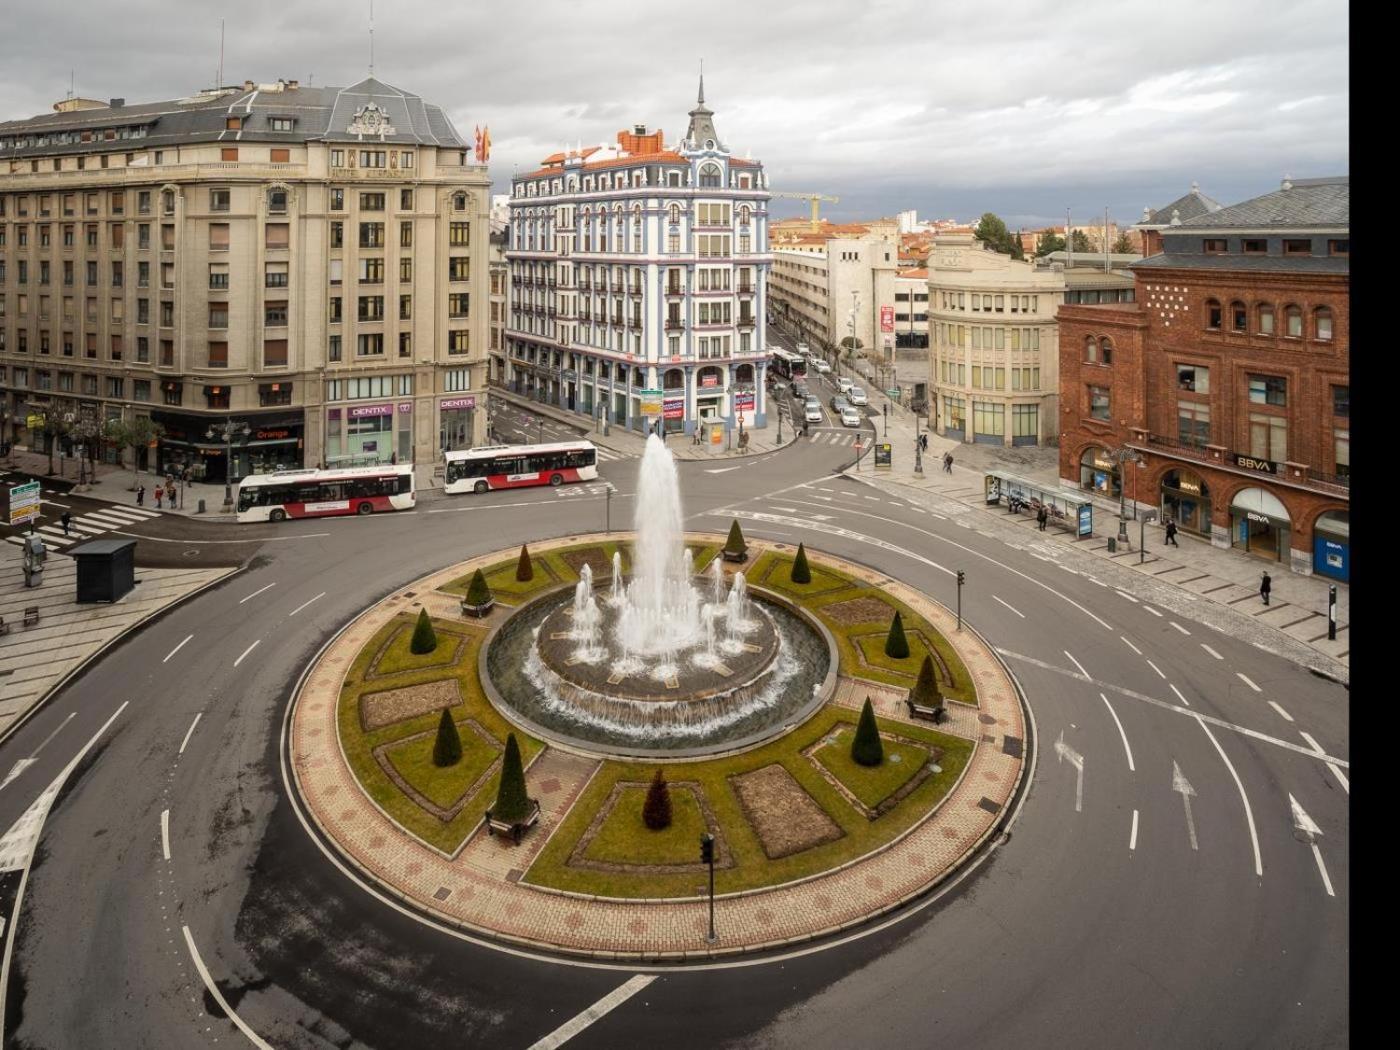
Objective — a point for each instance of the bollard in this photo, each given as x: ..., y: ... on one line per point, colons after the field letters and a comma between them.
x: 201, y: 506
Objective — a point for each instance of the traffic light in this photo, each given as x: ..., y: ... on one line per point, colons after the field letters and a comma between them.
x: 707, y: 848
x: 960, y: 577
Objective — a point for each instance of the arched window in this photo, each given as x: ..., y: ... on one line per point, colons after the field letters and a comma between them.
x: 1091, y: 349
x: 1239, y: 317
x: 675, y: 214
x: 1265, y: 312
x: 1106, y: 350
x: 1322, y: 323
x: 1293, y: 320
x: 744, y: 215
x: 1213, y: 315
x: 710, y: 175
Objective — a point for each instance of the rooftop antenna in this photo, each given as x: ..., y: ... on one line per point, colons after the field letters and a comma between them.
x: 71, y: 75
x: 219, y: 82
x: 371, y: 38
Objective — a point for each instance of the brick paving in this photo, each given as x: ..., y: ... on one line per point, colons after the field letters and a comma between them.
x: 481, y: 887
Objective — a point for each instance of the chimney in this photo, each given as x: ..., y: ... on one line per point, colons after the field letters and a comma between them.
x: 248, y: 85
x: 117, y: 103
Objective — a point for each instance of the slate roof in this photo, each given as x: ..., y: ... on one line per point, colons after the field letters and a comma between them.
x: 1187, y: 208
x: 1235, y: 262
x: 1305, y: 204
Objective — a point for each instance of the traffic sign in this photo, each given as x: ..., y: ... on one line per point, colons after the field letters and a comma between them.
x: 24, y: 503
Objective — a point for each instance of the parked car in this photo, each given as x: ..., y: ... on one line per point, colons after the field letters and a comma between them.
x: 813, y: 412
x: 838, y: 402
x: 856, y: 396
x: 844, y: 383
x: 821, y: 366
x: 850, y: 416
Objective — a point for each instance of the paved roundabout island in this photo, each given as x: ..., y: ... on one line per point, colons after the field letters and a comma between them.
x: 808, y: 841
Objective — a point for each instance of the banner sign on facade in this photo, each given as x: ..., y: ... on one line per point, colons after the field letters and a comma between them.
x: 1259, y: 466
x: 887, y: 318
x: 673, y: 408
x: 743, y: 399
x: 651, y: 402
x: 366, y: 411
x: 457, y: 402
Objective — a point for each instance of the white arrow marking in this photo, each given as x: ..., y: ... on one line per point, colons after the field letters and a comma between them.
x: 1182, y: 785
x: 1077, y: 761
x: 18, y: 768
x: 722, y: 470
x: 1308, y: 827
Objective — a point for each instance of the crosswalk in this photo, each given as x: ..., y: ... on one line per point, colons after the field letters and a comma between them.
x: 89, y: 525
x: 834, y: 437
x: 607, y: 455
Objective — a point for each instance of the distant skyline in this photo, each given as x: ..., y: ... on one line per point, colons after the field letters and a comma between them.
x: 1024, y: 109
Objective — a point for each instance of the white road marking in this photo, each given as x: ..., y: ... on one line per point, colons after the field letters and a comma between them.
x: 1064, y: 751
x: 165, y: 833
x: 1322, y: 870
x: 1153, y: 611
x: 1018, y: 612
x: 1127, y: 750
x: 1211, y: 651
x: 1076, y: 663
x: 176, y: 649
x: 1132, y: 839
x: 1178, y: 695
x: 1095, y: 580
x: 721, y: 470
x: 257, y: 592
x: 1124, y: 594
x: 246, y: 652
x: 189, y: 732
x: 1311, y: 832
x: 1157, y: 669
x: 601, y: 1008
x: 304, y: 604
x: 1247, y: 681
x: 43, y: 743
x: 1282, y: 713
x: 1182, y: 785
x: 219, y: 996
x: 1131, y: 646
x: 1178, y: 626
x: 1341, y: 778
x: 1248, y: 813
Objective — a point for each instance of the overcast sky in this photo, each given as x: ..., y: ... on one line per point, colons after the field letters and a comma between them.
x: 1022, y: 107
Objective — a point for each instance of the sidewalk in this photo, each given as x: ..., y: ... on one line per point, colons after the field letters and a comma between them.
x: 1228, y: 578
x: 114, y: 485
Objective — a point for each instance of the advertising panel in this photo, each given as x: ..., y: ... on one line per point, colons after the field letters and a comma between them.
x: 887, y: 318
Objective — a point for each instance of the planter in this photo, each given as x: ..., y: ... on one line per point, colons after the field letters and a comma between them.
x: 478, y: 611
x: 517, y: 828
x: 736, y: 556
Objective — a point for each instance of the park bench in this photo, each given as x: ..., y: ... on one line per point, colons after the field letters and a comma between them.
x: 4, y: 627
x: 514, y: 828
x: 932, y: 714
x: 31, y: 615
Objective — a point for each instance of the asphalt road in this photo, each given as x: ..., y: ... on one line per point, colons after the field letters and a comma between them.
x: 1096, y: 923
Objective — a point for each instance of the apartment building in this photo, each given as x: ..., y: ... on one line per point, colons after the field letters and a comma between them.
x: 839, y: 283
x: 639, y: 281
x: 300, y: 260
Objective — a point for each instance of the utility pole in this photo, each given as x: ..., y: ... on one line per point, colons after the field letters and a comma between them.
x: 707, y: 856
x: 1332, y: 613
x: 960, y: 587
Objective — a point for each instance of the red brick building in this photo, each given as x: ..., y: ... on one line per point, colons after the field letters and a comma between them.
x: 1225, y: 388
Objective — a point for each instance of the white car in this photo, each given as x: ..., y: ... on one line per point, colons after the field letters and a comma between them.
x: 849, y: 416
x: 844, y: 384
x: 802, y: 349
x: 856, y: 396
x: 813, y: 412
x: 821, y: 366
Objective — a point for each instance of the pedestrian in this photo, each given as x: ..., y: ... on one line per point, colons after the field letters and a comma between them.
x: 160, y: 491
x: 1042, y: 516
x: 1171, y: 533
x: 65, y: 519
x: 1265, y: 585
x: 140, y: 495
x: 947, y: 463
x: 170, y: 493
x: 806, y: 426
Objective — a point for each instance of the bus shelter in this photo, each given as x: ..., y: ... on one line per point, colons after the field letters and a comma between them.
x: 1066, y: 508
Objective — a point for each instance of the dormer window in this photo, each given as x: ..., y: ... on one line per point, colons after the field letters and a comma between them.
x: 281, y: 123
x: 233, y: 123
x: 1215, y: 246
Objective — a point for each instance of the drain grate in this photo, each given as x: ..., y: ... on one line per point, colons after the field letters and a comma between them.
x: 442, y: 893
x: 514, y: 875
x: 986, y: 720
x: 1011, y: 745
x: 989, y: 805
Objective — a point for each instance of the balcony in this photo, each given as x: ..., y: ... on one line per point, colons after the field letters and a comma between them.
x: 674, y: 324
x: 617, y: 287
x: 635, y: 290
x: 746, y: 322
x: 746, y: 289
x: 1297, y: 475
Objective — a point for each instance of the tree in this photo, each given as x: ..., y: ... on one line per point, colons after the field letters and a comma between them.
x: 424, y: 637
x: 866, y: 748
x: 926, y: 692
x: 140, y: 432
x: 1079, y: 240
x: 1018, y: 250
x: 447, y: 750
x: 90, y: 434
x: 993, y: 232
x: 1123, y: 245
x: 800, y: 572
x: 55, y: 428
x: 656, y: 811
x: 512, y: 804
x: 1050, y: 241
x: 735, y: 543
x: 478, y: 591
x: 896, y: 645
x: 524, y: 571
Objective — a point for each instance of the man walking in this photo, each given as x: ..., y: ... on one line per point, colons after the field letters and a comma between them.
x: 1041, y: 517
x: 1265, y: 585
x: 1171, y: 533
x: 65, y: 519
x: 947, y: 463
x: 140, y: 495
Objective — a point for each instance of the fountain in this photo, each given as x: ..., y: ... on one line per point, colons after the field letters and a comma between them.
x: 666, y: 661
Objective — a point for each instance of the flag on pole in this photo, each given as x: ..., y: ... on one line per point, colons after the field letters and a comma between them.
x: 486, y: 143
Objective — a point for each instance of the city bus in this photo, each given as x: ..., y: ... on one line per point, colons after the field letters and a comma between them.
x: 318, y: 493
x: 788, y: 365
x: 516, y: 466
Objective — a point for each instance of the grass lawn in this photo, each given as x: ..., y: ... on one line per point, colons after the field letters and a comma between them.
x: 624, y: 839
x: 752, y: 868
x: 413, y: 759
x: 399, y: 655
x: 872, y: 784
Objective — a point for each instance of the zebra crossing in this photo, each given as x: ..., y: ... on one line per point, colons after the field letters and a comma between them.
x: 607, y: 455
x: 834, y: 437
x: 89, y: 525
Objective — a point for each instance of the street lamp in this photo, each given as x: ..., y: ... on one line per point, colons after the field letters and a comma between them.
x: 225, y: 432
x: 1121, y: 456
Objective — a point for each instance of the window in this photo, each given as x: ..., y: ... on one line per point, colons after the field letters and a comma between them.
x: 337, y: 198
x: 1214, y: 246
x: 218, y: 236
x: 1239, y: 317
x: 1193, y: 423
x: 218, y: 276
x: 459, y: 341
x: 143, y: 203
x: 218, y: 315
x: 278, y: 234
x: 1254, y: 246
x: 278, y: 155
x: 1195, y: 378
x: 337, y: 234
x: 457, y: 304
x: 167, y: 360
x: 219, y: 200
x: 405, y: 344
x: 1322, y: 323
x: 274, y: 353
x: 277, y: 200
x: 458, y: 268
x: 1300, y: 246
x: 372, y: 271
x: 406, y: 196
x: 90, y: 236
x: 371, y: 202
x: 1098, y: 402
x: 143, y: 355
x: 371, y: 235
x: 406, y: 270
x: 710, y: 176
x: 371, y: 308
x: 1025, y: 422
x: 1268, y: 437
x: 370, y: 344
x: 1266, y: 319
x: 1339, y: 247
x: 1341, y: 450
x: 281, y: 123
x: 216, y: 396
x: 405, y: 308
x: 333, y: 348
x: 335, y: 302
x: 1213, y: 315
x: 337, y: 158
x: 372, y: 158
x: 218, y: 355
x: 141, y: 390
x: 143, y: 236
x: 167, y: 314
x: 1268, y: 390
x: 405, y: 235
x: 275, y: 313
x: 459, y: 234
x: 228, y: 153
x: 459, y: 202
x: 1105, y: 349
x: 275, y: 275
x: 1341, y: 400
x: 1293, y: 319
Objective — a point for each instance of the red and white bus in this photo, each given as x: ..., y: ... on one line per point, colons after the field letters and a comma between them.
x: 318, y: 493
x: 516, y: 466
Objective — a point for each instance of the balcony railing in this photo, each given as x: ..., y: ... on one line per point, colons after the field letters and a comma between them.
x: 1339, y: 484
x: 674, y: 324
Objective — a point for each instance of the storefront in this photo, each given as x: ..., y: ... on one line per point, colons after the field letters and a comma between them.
x: 1259, y: 524
x: 1186, y: 501
x: 954, y: 421
x: 1098, y: 473
x: 673, y: 400
x: 274, y: 441
x: 456, y: 419
x: 709, y: 394
x: 1332, y: 545
x: 366, y: 435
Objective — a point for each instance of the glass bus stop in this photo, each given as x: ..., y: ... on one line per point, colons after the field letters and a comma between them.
x: 1066, y: 508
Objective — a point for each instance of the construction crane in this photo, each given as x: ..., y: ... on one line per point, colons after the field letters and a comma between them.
x: 810, y: 198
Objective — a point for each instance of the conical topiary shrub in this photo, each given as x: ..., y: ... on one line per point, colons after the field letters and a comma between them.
x: 800, y: 572
x: 524, y: 571
x: 424, y: 637
x: 866, y: 748
x: 896, y: 645
x: 926, y: 692
x: 479, y: 591
x: 447, y: 750
x: 735, y: 544
x: 656, y: 811
x: 512, y: 804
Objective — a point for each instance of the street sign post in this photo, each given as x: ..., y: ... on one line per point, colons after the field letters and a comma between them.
x: 24, y: 503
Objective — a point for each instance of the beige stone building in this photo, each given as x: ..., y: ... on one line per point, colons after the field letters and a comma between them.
x: 818, y: 279
x: 301, y: 260
x: 993, y: 351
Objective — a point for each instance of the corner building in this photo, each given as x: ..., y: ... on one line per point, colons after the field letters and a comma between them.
x: 308, y: 261
x: 1230, y: 379
x: 639, y: 281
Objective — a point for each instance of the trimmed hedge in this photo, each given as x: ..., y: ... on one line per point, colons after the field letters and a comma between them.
x: 656, y: 811
x: 735, y: 543
x: 800, y: 572
x: 896, y: 645
x: 524, y: 571
x: 866, y: 747
x: 926, y: 692
x: 512, y: 803
x: 424, y: 637
x: 447, y: 750
x: 479, y: 591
